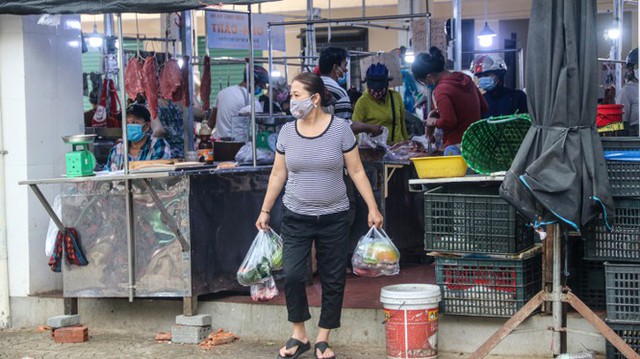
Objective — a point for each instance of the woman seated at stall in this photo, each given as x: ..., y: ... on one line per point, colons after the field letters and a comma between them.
x: 458, y: 102
x: 142, y: 145
x: 380, y: 106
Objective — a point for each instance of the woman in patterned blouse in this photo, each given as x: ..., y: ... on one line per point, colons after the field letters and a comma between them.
x: 142, y: 145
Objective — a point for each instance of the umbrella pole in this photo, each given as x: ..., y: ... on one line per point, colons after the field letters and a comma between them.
x: 559, y: 296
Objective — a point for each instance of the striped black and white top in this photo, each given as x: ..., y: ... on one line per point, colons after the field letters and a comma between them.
x: 342, y: 104
x: 315, y: 185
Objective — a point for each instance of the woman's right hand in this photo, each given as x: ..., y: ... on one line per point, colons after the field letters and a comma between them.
x: 263, y: 221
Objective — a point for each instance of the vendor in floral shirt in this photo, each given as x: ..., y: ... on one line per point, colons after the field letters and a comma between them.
x: 142, y: 145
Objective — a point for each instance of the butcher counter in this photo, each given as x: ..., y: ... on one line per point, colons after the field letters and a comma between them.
x: 193, y: 227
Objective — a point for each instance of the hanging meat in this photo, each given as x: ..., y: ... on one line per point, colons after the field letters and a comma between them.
x: 170, y: 79
x: 205, y: 84
x: 133, y: 78
x: 150, y: 83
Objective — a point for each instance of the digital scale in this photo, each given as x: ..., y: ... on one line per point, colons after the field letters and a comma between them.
x: 80, y: 161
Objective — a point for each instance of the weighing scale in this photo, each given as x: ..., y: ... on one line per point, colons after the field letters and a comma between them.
x: 80, y: 161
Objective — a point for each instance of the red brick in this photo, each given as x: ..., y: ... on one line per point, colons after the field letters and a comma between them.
x: 71, y: 335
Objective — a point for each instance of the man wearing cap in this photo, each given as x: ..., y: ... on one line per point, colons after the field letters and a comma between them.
x: 233, y: 99
x: 381, y: 105
x: 142, y: 145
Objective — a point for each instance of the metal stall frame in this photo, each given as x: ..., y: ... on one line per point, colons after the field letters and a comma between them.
x: 347, y: 21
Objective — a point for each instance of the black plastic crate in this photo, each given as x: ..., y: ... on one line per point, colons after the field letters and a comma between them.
x: 624, y: 177
x: 480, y: 222
x: 586, y: 280
x: 623, y: 244
x: 623, y: 292
x: 630, y: 333
x: 487, y: 287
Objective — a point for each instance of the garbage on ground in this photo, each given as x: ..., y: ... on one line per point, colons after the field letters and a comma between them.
x: 219, y: 337
x: 375, y: 255
x: 163, y: 337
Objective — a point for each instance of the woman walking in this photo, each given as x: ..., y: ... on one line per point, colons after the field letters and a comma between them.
x: 311, y: 154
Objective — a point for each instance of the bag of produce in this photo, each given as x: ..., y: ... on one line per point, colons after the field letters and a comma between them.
x: 375, y: 255
x: 265, y: 291
x: 263, y: 258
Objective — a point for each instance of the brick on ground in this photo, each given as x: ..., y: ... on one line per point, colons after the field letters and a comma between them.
x: 202, y: 320
x: 71, y: 334
x: 63, y: 321
x: 184, y: 334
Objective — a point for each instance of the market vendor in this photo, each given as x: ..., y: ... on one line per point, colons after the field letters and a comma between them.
x: 233, y: 99
x: 490, y: 70
x: 333, y: 72
x: 380, y: 105
x: 142, y: 145
x: 458, y: 102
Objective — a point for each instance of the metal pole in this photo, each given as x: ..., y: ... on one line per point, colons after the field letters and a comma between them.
x: 428, y: 25
x: 252, y: 90
x: 457, y: 32
x: 187, y: 50
x: 557, y: 291
x: 618, y: 18
x: 286, y: 70
x: 128, y: 194
x: 206, y: 34
x: 364, y: 8
x: 310, y: 34
x: 270, y: 46
x: 521, y: 68
x: 350, y: 19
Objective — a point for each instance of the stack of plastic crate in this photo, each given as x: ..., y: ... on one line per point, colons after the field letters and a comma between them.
x: 481, y: 265
x: 620, y: 248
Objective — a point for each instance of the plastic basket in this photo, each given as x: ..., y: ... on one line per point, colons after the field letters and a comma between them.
x: 623, y: 243
x: 487, y: 287
x: 587, y: 282
x: 623, y: 292
x: 490, y: 145
x: 624, y: 177
x: 630, y: 334
x: 473, y: 223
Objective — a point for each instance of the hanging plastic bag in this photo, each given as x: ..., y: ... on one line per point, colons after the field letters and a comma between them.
x: 375, y: 255
x: 265, y: 291
x: 365, y: 140
x: 264, y: 257
x: 52, y: 231
x: 245, y: 155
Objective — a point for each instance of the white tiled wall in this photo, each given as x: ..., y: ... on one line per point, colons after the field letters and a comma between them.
x: 41, y: 100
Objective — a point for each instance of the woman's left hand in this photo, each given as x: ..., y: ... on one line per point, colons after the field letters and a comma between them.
x: 375, y: 218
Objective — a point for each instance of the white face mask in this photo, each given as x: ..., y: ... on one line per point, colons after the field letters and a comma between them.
x: 300, y: 109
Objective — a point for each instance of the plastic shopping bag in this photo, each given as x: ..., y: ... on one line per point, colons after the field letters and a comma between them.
x: 264, y: 257
x: 375, y: 255
x: 265, y: 291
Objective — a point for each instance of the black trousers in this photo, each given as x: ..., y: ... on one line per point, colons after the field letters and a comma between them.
x: 331, y: 235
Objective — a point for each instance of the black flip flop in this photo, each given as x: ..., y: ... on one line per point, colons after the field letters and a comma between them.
x: 302, y: 347
x: 322, y: 347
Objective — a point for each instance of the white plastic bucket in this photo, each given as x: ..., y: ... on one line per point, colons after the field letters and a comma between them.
x: 411, y: 320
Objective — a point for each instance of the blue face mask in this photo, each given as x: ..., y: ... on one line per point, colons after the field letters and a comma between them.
x: 487, y: 83
x: 258, y: 91
x: 343, y: 79
x: 134, y: 132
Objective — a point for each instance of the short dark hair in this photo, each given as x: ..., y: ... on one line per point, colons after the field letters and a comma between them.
x: 313, y: 84
x: 139, y: 111
x: 426, y: 64
x: 331, y: 56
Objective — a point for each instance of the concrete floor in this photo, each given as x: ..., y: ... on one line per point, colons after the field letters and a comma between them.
x: 28, y: 343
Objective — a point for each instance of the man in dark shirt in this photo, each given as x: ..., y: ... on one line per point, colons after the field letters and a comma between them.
x: 490, y: 71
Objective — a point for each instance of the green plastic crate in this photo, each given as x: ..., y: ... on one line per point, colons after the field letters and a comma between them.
x: 479, y: 222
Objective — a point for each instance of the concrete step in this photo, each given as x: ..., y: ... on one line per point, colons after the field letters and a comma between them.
x: 268, y: 322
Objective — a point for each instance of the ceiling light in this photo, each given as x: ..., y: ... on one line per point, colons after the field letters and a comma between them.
x: 485, y: 37
x: 409, y: 56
